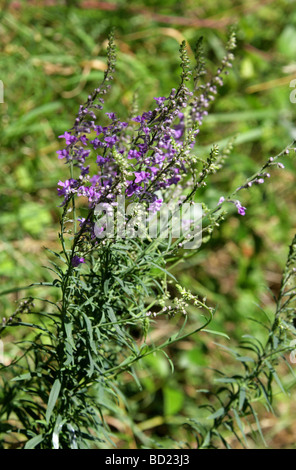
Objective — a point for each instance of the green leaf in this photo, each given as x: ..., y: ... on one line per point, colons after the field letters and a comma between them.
x: 242, y: 397
x: 91, y: 364
x: 239, y: 423
x: 220, y: 412
x: 32, y: 443
x: 258, y: 424
x: 114, y: 320
x: 164, y: 270
x: 245, y: 359
x: 53, y: 396
x: 22, y: 377
x: 226, y: 380
x: 276, y: 377
x: 57, y: 429
x: 68, y: 329
x: 219, y: 333
x: 90, y: 332
x: 56, y: 254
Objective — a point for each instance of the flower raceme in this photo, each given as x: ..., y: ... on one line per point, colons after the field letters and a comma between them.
x: 150, y: 157
x: 240, y: 209
x: 147, y: 157
x: 137, y: 168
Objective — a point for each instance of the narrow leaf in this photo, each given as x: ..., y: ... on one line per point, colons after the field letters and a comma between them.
x: 32, y: 443
x: 53, y: 396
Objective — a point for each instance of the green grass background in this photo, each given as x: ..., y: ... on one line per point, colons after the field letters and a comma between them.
x: 51, y: 58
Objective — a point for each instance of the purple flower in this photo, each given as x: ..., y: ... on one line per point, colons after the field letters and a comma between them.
x: 131, y: 189
x: 94, y: 179
x: 70, y: 139
x: 155, y: 206
x: 147, y: 115
x: 81, y: 155
x: 81, y: 220
x: 159, y: 158
x: 179, y: 131
x: 173, y: 180
x: 141, y: 176
x: 143, y: 117
x: 137, y: 119
x: 63, y: 153
x: 84, y: 170
x: 96, y: 143
x: 133, y: 154
x: 66, y: 187
x: 240, y: 209
x: 99, y: 129
x: 143, y: 148
x: 77, y: 260
x: 83, y: 139
x: 123, y: 124
x: 111, y: 116
x: 92, y: 195
x: 101, y: 160
x: 154, y: 169
x: 160, y: 100
x: 111, y: 140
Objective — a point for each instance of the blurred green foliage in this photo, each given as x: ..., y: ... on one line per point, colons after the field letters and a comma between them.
x: 50, y: 61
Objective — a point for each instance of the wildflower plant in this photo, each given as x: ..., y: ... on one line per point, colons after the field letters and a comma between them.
x: 114, y: 287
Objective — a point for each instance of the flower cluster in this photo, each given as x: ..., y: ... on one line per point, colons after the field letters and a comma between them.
x: 144, y: 157
x: 131, y: 164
